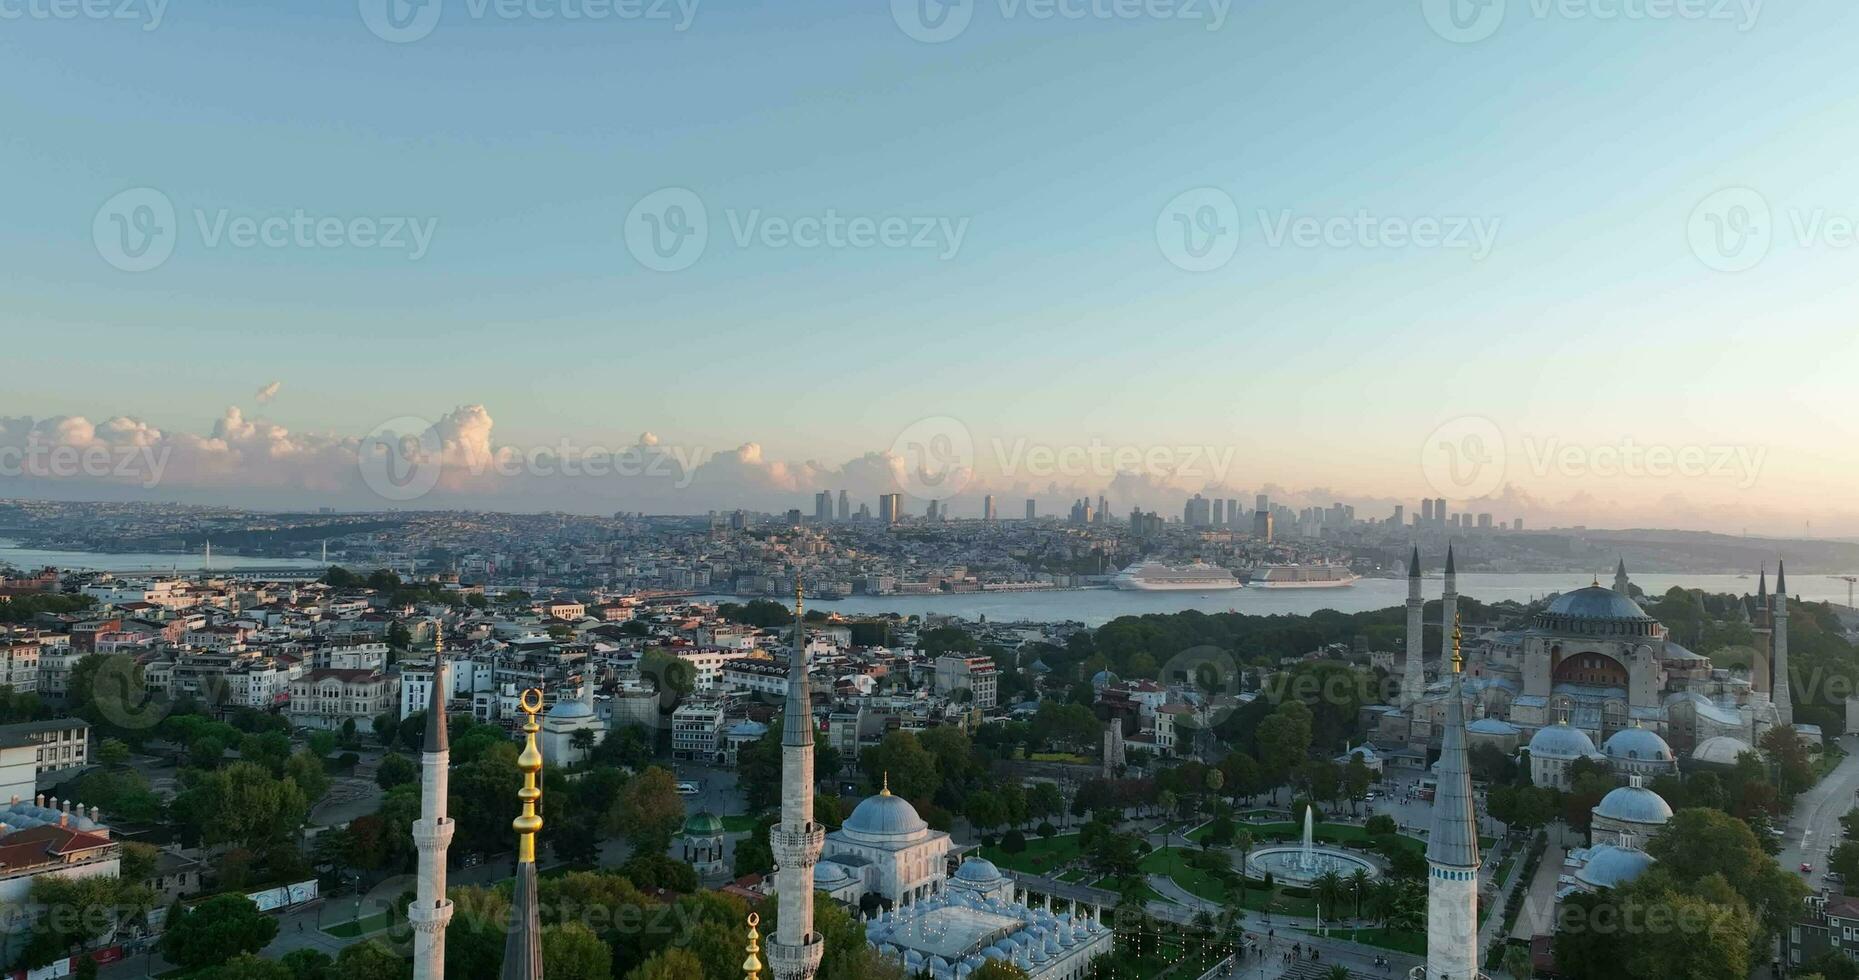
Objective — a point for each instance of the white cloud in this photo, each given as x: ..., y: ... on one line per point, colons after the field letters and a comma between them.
x: 269, y: 392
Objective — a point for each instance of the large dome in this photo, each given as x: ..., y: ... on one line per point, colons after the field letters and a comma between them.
x: 1637, y: 745
x: 1609, y: 866
x: 884, y: 815
x: 1561, y: 742
x: 1720, y: 751
x: 1634, y: 804
x: 1597, y: 611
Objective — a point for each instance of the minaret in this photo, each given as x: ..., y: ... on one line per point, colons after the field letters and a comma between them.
x: 432, y: 834
x: 1452, y: 850
x: 752, y: 964
x: 1759, y: 667
x: 522, y: 950
x: 794, y: 953
x: 1448, y: 608
x: 1414, y: 678
x: 1784, y: 705
x: 1620, y: 579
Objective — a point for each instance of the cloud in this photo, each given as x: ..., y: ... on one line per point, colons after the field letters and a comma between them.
x: 269, y: 392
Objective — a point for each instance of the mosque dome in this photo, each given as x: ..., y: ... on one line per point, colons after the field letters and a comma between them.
x: 1597, y: 611
x: 1634, y: 804
x: 570, y: 708
x: 1720, y: 751
x: 1609, y: 866
x: 977, y: 870
x: 1637, y: 745
x: 1103, y: 679
x: 1561, y: 741
x: 884, y: 815
x: 703, y: 823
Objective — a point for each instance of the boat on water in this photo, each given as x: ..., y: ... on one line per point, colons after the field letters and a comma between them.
x: 1154, y: 576
x: 1312, y: 576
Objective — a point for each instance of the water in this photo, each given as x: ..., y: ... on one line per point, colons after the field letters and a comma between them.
x: 33, y: 559
x: 1094, y: 607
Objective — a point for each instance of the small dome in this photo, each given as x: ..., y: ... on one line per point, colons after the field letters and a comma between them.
x: 1634, y: 804
x: 1103, y: 679
x: 884, y: 815
x: 1561, y: 741
x: 703, y: 823
x: 570, y: 709
x: 1609, y: 866
x: 1491, y: 726
x: 977, y: 870
x: 1637, y: 745
x: 1720, y: 751
x: 1597, y: 602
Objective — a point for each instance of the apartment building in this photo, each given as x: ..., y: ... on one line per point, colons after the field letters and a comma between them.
x: 59, y: 743
x: 696, y: 726
x: 975, y: 675
x: 19, y: 661
x: 329, y: 697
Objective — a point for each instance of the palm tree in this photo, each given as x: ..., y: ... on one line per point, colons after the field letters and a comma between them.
x: 1329, y: 888
x: 1337, y: 972
x: 1383, y: 894
x: 1359, y: 882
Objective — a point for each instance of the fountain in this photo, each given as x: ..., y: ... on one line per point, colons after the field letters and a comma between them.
x: 1307, y: 861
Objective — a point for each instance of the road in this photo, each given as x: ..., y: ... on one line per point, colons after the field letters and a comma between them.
x: 1813, y: 829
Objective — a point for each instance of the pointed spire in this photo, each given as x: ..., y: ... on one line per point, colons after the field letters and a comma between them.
x: 1413, y: 563
x: 1781, y: 578
x: 1449, y: 568
x: 436, y: 740
x: 522, y: 951
x: 752, y: 964
x: 1762, y: 583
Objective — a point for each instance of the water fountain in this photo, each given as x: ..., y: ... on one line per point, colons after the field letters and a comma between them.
x: 1306, y: 861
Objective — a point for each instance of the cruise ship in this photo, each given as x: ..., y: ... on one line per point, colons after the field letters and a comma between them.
x: 1301, y: 577
x: 1153, y: 576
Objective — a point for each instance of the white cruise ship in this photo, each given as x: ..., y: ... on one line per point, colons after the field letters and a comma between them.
x: 1153, y: 576
x: 1301, y: 577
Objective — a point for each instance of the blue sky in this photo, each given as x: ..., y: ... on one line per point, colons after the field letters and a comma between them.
x: 1585, y: 142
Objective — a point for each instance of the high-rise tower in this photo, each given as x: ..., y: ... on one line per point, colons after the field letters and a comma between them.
x: 1448, y: 606
x: 794, y: 952
x: 432, y: 833
x: 1452, y: 848
x: 1414, y: 677
x: 1784, y: 704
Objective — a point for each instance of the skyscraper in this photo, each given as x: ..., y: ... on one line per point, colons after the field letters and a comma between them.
x: 1426, y: 510
x: 987, y: 507
x: 890, y: 505
x: 1262, y: 524
x: 822, y: 507
x: 1030, y: 509
x: 794, y: 952
x: 845, y: 506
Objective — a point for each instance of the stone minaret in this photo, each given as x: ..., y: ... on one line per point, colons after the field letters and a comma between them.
x: 1448, y: 608
x: 1784, y: 705
x: 432, y: 834
x: 522, y: 949
x: 794, y: 952
x: 1452, y: 850
x: 1759, y: 668
x: 1621, y: 585
x: 1414, y: 677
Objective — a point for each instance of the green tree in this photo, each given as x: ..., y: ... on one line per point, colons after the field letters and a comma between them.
x: 308, y: 964
x: 247, y: 966
x: 1517, y: 962
x: 913, y: 772
x: 214, y: 930
x: 571, y: 951
x: 396, y: 770
x: 998, y: 970
x: 112, y: 752
x: 242, y: 804
x: 669, y: 964
x: 372, y: 961
x: 985, y: 811
x: 650, y: 811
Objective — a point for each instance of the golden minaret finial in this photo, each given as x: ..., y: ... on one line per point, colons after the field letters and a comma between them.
x: 529, y: 763
x: 752, y: 965
x: 886, y: 791
x: 438, y: 637
x: 1458, y: 660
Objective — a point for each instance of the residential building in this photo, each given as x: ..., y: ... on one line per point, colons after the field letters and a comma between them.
x: 329, y: 697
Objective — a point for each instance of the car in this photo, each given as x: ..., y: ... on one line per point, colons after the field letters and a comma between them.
x: 1835, y: 878
x: 687, y: 789
x: 1806, y: 868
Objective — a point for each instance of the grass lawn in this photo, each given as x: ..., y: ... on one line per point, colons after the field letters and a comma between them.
x: 1172, y: 863
x: 1078, y: 875
x: 356, y: 928
x: 1401, y: 941
x: 1828, y: 761
x: 1504, y: 869
x: 740, y: 823
x: 1343, y: 833
x: 1041, y: 856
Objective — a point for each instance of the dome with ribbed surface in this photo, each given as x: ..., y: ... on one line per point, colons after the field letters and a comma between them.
x: 1720, y: 751
x: 1597, y: 602
x: 1610, y: 867
x: 703, y: 823
x: 978, y: 870
x: 1637, y: 745
x: 1561, y: 742
x: 1634, y: 804
x: 884, y: 815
